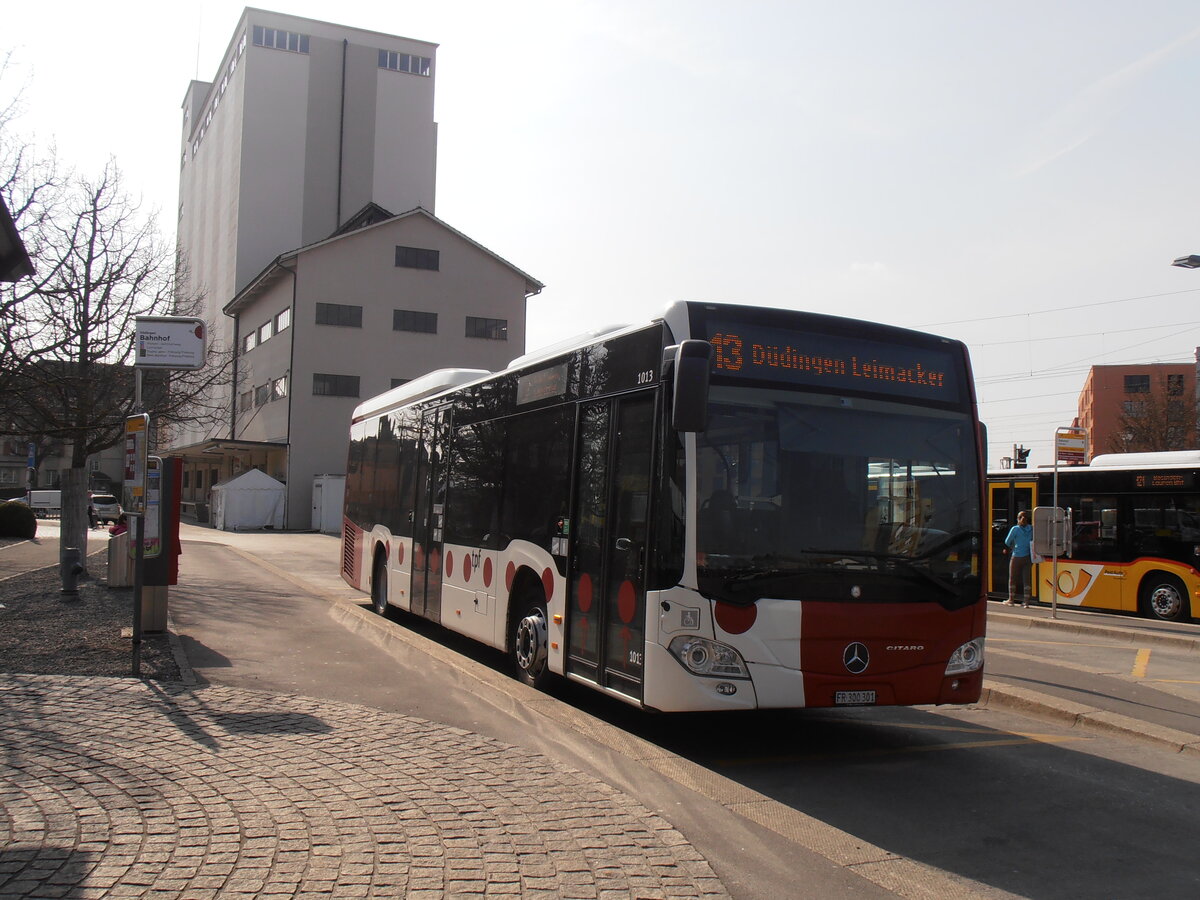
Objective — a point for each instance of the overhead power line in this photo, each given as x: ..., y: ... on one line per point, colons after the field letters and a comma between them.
x: 1058, y: 309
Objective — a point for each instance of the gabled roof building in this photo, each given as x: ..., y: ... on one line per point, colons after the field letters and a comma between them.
x: 327, y: 325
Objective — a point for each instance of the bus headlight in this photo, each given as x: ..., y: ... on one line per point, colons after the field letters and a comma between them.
x: 967, y: 658
x: 701, y: 656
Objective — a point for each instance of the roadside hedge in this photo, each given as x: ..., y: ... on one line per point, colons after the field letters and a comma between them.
x: 17, y: 520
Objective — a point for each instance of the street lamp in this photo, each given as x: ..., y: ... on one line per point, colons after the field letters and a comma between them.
x: 1188, y: 262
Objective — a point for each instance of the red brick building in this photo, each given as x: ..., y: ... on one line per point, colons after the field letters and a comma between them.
x: 1140, y: 407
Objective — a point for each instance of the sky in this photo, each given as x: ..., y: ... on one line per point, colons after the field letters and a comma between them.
x: 1016, y: 175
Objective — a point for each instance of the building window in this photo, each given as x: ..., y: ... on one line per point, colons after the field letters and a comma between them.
x: 249, y: 342
x: 417, y: 258
x: 278, y: 39
x: 283, y: 320
x: 264, y: 331
x: 1174, y: 385
x: 404, y: 62
x: 279, y: 388
x: 247, y: 401
x: 1134, y: 408
x: 1137, y: 384
x: 491, y: 329
x: 335, y: 385
x: 339, y: 314
x: 412, y: 320
x: 262, y: 394
x: 396, y: 382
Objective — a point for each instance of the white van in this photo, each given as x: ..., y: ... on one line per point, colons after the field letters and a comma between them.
x: 45, y: 503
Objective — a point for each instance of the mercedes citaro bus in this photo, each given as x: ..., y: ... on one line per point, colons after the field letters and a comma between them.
x: 726, y: 508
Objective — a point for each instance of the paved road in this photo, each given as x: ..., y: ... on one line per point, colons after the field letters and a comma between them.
x: 312, y: 758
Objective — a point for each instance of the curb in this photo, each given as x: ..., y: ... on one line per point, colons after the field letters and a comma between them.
x: 996, y: 694
x: 1113, y: 632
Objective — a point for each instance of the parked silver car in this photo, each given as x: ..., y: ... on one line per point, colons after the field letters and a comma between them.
x: 107, y: 508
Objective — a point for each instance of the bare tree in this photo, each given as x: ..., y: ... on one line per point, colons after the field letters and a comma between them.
x: 1163, y: 419
x: 69, y: 330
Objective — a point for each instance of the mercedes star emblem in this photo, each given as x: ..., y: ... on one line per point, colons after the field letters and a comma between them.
x: 856, y: 657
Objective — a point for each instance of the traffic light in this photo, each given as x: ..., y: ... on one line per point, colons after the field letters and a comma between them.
x: 1020, y: 455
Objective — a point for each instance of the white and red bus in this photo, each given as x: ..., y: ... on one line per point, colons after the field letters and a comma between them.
x: 727, y: 508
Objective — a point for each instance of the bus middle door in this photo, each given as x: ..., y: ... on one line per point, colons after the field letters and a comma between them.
x: 430, y: 514
x: 607, y: 611
x: 1005, y: 500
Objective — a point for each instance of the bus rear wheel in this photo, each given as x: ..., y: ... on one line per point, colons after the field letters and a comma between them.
x: 529, y: 645
x: 1164, y: 597
x: 379, y: 591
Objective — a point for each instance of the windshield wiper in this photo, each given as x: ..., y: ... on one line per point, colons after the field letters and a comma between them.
x: 950, y: 540
x: 923, y: 572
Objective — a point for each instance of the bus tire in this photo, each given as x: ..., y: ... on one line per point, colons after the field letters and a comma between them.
x: 1164, y: 597
x: 530, y: 650
x: 379, y: 591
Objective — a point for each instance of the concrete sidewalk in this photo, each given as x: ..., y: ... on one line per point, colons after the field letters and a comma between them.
x: 122, y: 788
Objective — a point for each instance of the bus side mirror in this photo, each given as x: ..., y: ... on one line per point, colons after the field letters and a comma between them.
x: 692, y: 364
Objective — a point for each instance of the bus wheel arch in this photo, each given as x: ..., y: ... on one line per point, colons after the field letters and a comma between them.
x: 1163, y: 596
x: 529, y: 629
x: 379, y: 586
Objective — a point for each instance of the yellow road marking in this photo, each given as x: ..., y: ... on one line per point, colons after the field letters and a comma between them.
x: 1140, y: 662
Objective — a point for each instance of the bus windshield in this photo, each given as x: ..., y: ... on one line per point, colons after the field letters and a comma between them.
x: 822, y: 497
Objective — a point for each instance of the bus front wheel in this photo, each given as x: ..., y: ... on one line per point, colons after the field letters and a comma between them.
x: 379, y: 591
x: 1164, y: 597
x: 529, y: 644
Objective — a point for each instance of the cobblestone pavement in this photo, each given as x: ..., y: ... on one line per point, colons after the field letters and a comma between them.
x: 124, y: 788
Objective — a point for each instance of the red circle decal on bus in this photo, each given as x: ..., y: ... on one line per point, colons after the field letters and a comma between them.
x: 467, y: 567
x: 509, y: 574
x: 736, y: 619
x: 583, y: 592
x: 548, y: 584
x: 626, y: 601
x: 487, y: 572
x: 400, y: 554
x: 449, y: 564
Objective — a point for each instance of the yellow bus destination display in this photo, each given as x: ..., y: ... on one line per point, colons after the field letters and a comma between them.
x: 835, y: 362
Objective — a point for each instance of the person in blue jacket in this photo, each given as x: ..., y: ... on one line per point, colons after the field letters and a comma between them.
x: 1019, y: 544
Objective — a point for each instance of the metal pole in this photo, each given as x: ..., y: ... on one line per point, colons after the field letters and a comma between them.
x: 1054, y: 533
x: 139, y: 532
x: 138, y: 558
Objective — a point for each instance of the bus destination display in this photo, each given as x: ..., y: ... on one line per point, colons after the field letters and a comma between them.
x: 1164, y: 480
x: 834, y: 362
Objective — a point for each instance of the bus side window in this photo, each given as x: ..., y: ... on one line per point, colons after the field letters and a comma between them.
x: 536, y: 475
x: 472, y: 509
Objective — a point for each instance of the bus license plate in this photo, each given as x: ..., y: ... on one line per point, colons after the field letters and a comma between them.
x: 853, y: 698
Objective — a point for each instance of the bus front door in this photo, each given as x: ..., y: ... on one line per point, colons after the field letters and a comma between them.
x: 607, y: 608
x: 1005, y: 500
x: 429, y: 514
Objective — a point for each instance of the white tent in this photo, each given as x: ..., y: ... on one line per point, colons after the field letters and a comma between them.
x: 251, y: 500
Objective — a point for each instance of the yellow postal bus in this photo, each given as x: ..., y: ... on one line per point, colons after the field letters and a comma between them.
x: 1136, y: 532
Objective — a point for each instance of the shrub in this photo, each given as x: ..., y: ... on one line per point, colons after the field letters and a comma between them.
x: 17, y: 520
